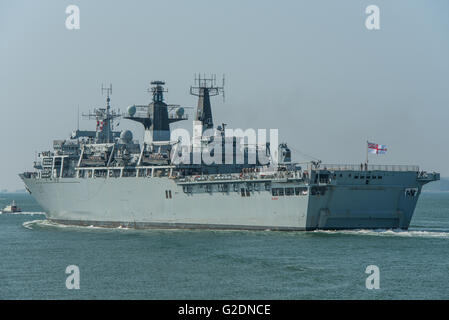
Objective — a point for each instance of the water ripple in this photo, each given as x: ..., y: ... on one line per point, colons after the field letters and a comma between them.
x: 390, y: 233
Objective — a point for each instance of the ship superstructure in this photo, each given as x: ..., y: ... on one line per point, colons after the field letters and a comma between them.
x: 106, y: 178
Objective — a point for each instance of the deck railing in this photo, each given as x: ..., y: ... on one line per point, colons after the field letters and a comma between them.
x: 370, y: 167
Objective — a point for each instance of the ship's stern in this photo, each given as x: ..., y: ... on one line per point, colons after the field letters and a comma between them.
x: 386, y: 202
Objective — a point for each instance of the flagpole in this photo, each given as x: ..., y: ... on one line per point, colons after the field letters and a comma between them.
x: 366, y: 152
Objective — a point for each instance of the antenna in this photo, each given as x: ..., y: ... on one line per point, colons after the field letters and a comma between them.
x: 108, y: 93
x: 157, y: 90
x: 223, y: 84
x: 108, y: 90
x: 207, y: 83
x: 205, y: 88
x: 78, y: 118
x: 104, y: 118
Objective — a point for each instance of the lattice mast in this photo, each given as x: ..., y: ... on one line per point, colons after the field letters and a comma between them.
x: 205, y: 88
x: 104, y: 118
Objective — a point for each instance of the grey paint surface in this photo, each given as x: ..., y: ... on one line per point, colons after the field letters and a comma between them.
x: 141, y: 202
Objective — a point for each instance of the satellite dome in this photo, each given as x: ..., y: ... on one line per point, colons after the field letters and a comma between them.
x: 126, y: 136
x: 131, y: 111
x: 180, y: 112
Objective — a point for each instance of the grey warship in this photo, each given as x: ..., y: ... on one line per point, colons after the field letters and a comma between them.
x: 104, y: 178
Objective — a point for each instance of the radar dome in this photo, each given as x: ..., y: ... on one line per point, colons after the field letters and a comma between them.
x: 131, y: 111
x: 180, y: 112
x: 126, y: 136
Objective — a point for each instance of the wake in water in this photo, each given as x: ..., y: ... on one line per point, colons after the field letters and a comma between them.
x: 23, y: 213
x: 36, y: 224
x: 390, y: 233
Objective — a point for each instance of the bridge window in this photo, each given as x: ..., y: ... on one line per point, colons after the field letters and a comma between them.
x: 301, y: 191
x: 324, y: 178
x: 316, y: 191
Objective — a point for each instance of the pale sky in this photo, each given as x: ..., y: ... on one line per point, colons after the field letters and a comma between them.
x: 308, y: 68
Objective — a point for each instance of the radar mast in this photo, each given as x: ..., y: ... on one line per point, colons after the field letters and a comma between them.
x: 104, y: 118
x: 157, y: 116
x: 205, y: 88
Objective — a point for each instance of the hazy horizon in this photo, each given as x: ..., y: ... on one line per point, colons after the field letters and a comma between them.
x: 308, y: 68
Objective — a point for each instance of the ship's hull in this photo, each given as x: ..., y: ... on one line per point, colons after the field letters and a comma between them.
x: 162, y: 203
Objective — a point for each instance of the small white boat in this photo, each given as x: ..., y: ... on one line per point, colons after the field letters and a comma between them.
x: 12, y: 208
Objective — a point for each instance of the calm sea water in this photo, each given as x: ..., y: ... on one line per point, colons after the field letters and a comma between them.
x: 176, y: 264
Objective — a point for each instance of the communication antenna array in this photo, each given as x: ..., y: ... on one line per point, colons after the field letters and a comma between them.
x: 209, y: 83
